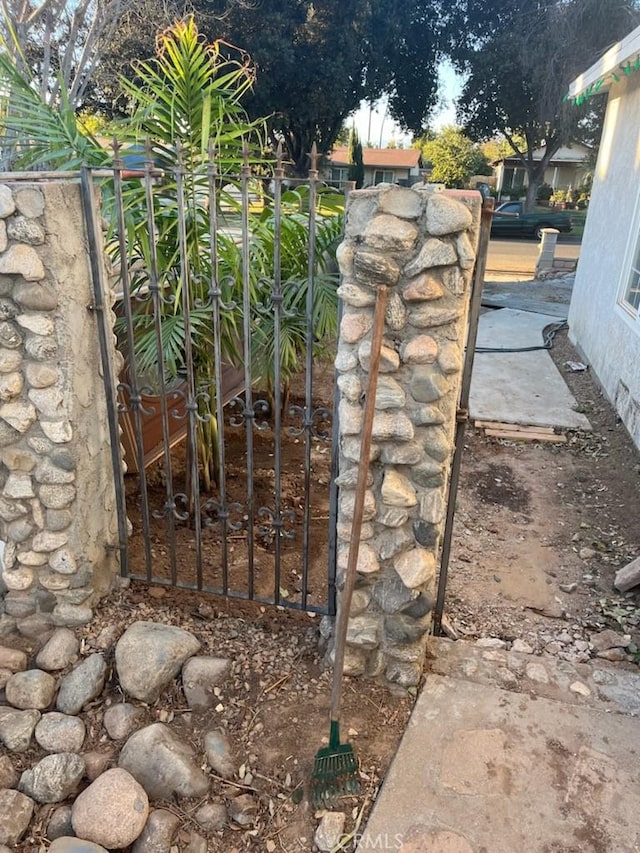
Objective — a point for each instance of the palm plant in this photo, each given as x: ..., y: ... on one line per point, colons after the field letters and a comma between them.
x: 186, y: 103
x: 294, y: 273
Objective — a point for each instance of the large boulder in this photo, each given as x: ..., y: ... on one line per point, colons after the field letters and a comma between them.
x: 163, y: 764
x: 112, y: 811
x: 150, y: 655
x: 81, y: 685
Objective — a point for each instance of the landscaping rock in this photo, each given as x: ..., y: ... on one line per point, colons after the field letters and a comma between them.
x: 211, y: 816
x: 158, y: 832
x: 329, y: 831
x: 112, y: 811
x: 31, y: 689
x: 95, y: 763
x: 243, y: 810
x: 12, y: 659
x: 81, y: 685
x: 16, y: 728
x: 59, y: 824
x: 8, y: 773
x: 75, y: 845
x: 605, y: 640
x: 163, y: 764
x: 60, y: 651
x: 219, y: 754
x: 197, y: 844
x: 521, y: 647
x: 199, y: 676
x: 628, y: 576
x: 58, y: 732
x: 149, y: 655
x: 120, y: 720
x: 16, y: 811
x: 54, y: 778
x: 491, y: 643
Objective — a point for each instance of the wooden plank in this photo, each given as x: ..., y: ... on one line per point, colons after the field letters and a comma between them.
x: 515, y: 427
x: 516, y: 435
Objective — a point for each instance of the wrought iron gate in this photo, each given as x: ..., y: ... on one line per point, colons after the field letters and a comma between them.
x: 228, y: 482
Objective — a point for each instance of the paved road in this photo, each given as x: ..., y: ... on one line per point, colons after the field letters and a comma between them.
x: 521, y: 255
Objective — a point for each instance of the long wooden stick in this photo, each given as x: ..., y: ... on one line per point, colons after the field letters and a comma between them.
x: 344, y: 603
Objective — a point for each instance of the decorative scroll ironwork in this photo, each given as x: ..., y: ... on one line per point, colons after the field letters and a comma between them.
x: 316, y: 424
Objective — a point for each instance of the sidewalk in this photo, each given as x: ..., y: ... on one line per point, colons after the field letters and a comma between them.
x: 514, y: 753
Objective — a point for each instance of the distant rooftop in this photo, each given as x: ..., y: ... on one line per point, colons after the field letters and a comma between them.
x: 399, y: 158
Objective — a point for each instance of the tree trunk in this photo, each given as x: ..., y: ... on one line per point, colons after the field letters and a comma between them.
x: 530, y: 198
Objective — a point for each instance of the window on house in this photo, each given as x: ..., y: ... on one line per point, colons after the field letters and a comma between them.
x: 339, y: 174
x: 382, y: 176
x: 631, y: 293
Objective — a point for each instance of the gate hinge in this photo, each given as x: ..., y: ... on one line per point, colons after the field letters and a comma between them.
x: 462, y: 416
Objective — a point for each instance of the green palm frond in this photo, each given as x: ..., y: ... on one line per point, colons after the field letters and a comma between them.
x: 39, y: 134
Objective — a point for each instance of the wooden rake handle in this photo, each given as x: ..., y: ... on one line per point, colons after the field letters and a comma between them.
x: 344, y: 604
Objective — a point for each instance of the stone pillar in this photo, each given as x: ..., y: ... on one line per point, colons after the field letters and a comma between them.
x: 422, y: 245
x: 58, y: 520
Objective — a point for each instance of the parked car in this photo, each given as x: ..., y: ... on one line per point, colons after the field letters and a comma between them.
x: 509, y: 219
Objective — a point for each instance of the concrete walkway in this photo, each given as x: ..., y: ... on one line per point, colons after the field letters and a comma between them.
x: 514, y: 753
x: 519, y: 387
x: 550, y: 297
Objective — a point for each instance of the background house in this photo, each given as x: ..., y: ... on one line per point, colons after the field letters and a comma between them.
x: 568, y: 168
x: 604, y: 316
x: 381, y: 165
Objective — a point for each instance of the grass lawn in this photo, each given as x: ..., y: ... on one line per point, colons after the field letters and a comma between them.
x: 578, y: 217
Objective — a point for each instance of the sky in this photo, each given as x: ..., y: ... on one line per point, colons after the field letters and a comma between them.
x: 375, y: 126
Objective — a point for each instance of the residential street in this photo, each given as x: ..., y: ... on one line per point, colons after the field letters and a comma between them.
x: 520, y: 256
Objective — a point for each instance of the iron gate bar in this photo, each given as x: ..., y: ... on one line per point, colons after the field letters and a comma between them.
x: 131, y: 387
x: 276, y: 300
x: 215, y: 297
x: 310, y: 339
x: 157, y: 299
x: 248, y: 412
x: 108, y: 372
x: 193, y: 496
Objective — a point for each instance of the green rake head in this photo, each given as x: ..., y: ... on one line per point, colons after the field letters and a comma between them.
x: 335, y: 772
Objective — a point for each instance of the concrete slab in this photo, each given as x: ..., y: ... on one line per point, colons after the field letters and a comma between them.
x: 550, y: 297
x: 486, y: 770
x: 519, y: 387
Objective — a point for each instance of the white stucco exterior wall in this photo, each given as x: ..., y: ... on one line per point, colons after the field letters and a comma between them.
x: 606, y: 335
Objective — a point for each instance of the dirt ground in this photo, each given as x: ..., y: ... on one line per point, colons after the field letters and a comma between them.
x: 539, y: 532
x: 540, y: 529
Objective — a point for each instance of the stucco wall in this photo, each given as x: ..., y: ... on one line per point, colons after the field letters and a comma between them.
x: 600, y: 329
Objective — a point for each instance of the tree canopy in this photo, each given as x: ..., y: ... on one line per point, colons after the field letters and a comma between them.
x: 59, y: 42
x: 520, y: 58
x: 453, y: 156
x: 315, y: 60
x: 356, y: 159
